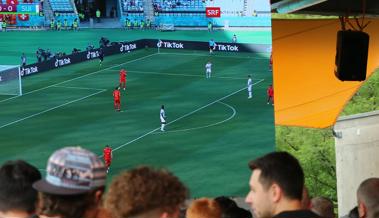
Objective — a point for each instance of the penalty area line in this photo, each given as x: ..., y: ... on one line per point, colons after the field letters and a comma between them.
x: 50, y: 109
x: 79, y: 77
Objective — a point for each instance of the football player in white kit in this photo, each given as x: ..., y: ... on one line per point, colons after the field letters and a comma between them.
x: 250, y: 86
x: 208, y: 69
x: 163, y: 118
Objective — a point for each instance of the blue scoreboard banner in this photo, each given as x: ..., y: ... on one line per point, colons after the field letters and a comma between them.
x: 28, y: 8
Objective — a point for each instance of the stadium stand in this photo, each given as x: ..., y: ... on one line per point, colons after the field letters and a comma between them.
x: 190, y: 13
x: 185, y: 6
x: 132, y: 6
x: 63, y: 10
x: 177, y: 13
x: 62, y: 6
x: 132, y: 10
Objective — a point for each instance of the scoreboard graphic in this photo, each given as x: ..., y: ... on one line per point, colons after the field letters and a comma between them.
x: 19, y: 9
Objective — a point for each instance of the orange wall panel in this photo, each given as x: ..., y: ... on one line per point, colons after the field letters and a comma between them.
x: 306, y: 91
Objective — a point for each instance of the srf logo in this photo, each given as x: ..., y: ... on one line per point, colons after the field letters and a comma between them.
x: 213, y: 11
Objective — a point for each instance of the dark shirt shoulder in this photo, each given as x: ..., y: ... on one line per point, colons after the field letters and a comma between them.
x: 297, y: 214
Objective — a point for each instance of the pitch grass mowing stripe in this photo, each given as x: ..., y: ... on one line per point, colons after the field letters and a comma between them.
x: 89, y: 74
x: 184, y: 75
x: 186, y: 115
x: 50, y: 109
x: 74, y: 87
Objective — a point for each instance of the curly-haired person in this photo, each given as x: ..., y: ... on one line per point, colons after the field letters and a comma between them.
x: 146, y: 192
x: 204, y: 208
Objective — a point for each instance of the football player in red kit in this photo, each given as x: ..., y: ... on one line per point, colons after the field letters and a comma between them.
x: 270, y: 95
x: 117, y: 99
x: 107, y: 155
x: 123, y: 79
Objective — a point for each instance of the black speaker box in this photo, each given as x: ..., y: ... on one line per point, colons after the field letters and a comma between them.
x: 351, y: 57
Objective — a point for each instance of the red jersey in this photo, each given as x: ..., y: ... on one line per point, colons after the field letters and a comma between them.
x: 270, y: 91
x: 107, y: 153
x: 122, y: 75
x: 116, y: 94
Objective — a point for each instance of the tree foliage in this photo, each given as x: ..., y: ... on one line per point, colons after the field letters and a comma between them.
x: 315, y: 150
x: 366, y: 99
x: 315, y: 147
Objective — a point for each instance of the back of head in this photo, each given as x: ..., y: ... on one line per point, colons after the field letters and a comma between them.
x: 284, y: 170
x: 142, y: 190
x: 368, y: 195
x: 16, y: 191
x: 204, y: 208
x: 225, y: 202
x: 237, y: 212
x: 230, y: 209
x: 323, y: 207
x: 66, y: 206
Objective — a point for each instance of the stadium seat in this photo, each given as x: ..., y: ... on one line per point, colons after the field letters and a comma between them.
x: 62, y: 6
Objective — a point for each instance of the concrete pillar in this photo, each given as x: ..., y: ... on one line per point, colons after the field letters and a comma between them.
x: 357, y: 155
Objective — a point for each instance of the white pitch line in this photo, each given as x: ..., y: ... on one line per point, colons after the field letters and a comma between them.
x: 184, y: 75
x: 2, y: 93
x: 85, y: 75
x: 50, y: 109
x: 140, y: 137
x: 206, y: 126
x: 186, y: 115
x: 213, y: 55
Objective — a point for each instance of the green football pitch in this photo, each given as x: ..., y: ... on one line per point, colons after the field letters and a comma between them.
x: 213, y: 128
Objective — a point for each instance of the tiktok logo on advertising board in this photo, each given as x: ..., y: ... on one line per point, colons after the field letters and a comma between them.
x: 62, y: 62
x: 29, y: 70
x: 92, y: 54
x: 128, y: 47
x: 176, y: 45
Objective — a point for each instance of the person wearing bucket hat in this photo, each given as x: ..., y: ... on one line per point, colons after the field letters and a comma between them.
x: 73, y: 186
